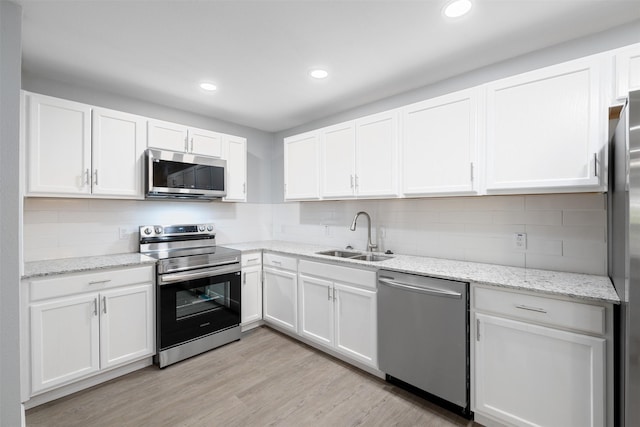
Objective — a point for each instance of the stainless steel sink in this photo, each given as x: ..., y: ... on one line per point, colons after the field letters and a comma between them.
x: 355, y: 255
x: 339, y: 254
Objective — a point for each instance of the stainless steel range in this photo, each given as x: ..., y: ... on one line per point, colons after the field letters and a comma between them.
x: 198, y: 290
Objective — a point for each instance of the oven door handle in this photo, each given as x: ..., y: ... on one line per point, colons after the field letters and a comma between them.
x: 168, y: 279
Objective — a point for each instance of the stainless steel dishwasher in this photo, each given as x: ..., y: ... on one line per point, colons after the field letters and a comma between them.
x: 423, y: 336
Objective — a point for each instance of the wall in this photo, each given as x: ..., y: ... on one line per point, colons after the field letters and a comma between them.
x: 259, y: 143
x: 62, y: 228
x: 564, y: 232
x: 10, y: 58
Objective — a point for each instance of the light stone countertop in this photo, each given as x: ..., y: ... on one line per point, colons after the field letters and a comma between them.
x: 581, y: 286
x: 81, y: 264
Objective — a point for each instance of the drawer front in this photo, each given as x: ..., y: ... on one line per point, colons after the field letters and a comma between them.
x: 337, y: 273
x: 564, y: 314
x: 69, y: 284
x: 251, y: 258
x: 280, y: 261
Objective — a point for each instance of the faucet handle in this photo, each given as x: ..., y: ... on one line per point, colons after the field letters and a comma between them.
x: 349, y: 247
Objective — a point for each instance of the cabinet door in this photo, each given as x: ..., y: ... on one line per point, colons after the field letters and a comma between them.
x: 64, y: 341
x: 251, y: 294
x: 280, y: 298
x: 559, y: 376
x: 166, y: 136
x: 545, y: 129
x: 301, y: 167
x: 126, y: 324
x: 356, y: 330
x: 118, y: 141
x: 627, y: 70
x: 205, y: 142
x: 439, y: 145
x: 235, y: 153
x: 316, y: 309
x: 376, y: 155
x: 338, y: 161
x: 58, y: 146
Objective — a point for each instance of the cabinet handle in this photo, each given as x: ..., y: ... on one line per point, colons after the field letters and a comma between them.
x: 95, y: 181
x: 86, y: 176
x: 471, y: 164
x: 244, y: 188
x: 357, y: 185
x: 186, y: 144
x: 95, y: 306
x: 252, y: 259
x: 192, y: 144
x: 477, y: 329
x: 244, y: 278
x: 104, y: 305
x: 276, y: 262
x: 529, y: 308
x: 335, y: 294
x: 96, y: 282
x: 351, y: 178
x: 595, y: 164
x: 329, y: 293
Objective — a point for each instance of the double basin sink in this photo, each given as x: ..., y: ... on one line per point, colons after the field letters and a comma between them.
x: 355, y: 255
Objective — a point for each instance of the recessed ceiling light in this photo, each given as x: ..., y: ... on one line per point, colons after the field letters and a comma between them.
x: 208, y: 86
x: 457, y: 8
x: 319, y: 74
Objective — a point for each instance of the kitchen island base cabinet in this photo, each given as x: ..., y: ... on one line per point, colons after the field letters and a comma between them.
x: 280, y: 291
x: 338, y: 309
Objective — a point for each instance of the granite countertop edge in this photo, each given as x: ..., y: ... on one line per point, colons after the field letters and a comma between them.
x: 574, y: 285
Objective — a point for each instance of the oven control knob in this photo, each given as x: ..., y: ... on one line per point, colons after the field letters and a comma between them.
x: 209, y: 227
x: 158, y: 230
x: 147, y: 231
x: 201, y: 227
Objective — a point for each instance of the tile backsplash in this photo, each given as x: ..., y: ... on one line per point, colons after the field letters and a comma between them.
x: 565, y: 232
x: 63, y: 228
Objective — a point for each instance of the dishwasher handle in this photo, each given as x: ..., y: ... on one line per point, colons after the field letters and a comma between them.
x: 421, y: 289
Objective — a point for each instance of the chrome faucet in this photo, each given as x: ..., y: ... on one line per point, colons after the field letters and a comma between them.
x: 370, y: 245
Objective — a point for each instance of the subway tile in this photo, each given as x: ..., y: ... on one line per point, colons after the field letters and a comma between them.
x: 578, y: 232
x: 466, y: 217
x: 528, y: 217
x: 544, y: 246
x: 495, y: 203
x: 587, y: 201
x: 568, y: 264
x: 595, y: 218
x: 496, y: 257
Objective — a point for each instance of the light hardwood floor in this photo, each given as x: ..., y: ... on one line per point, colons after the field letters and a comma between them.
x: 265, y: 379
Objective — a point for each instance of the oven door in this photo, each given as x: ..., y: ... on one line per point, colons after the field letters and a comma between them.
x: 196, y: 303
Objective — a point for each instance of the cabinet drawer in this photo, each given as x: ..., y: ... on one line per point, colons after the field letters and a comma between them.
x: 249, y: 259
x: 280, y: 261
x: 337, y: 273
x: 69, y: 284
x: 554, y: 312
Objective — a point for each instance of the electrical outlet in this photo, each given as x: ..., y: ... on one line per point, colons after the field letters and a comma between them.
x: 520, y: 241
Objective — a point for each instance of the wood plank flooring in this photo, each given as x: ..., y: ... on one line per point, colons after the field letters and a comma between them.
x: 265, y: 379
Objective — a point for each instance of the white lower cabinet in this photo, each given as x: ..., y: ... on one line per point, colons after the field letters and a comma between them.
x: 251, y: 297
x: 280, y: 291
x: 82, y: 324
x: 529, y: 370
x: 338, y: 309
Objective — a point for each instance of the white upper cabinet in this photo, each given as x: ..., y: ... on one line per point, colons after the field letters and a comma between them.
x: 58, y: 146
x: 302, y: 166
x: 377, y: 155
x: 76, y: 150
x: 116, y: 155
x: 545, y: 129
x: 627, y: 70
x: 359, y: 158
x: 176, y: 137
x: 440, y: 145
x: 339, y: 160
x: 235, y: 153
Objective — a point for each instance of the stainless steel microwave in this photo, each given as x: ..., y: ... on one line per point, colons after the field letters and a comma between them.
x: 171, y: 174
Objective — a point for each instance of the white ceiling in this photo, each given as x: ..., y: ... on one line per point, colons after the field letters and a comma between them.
x: 259, y: 52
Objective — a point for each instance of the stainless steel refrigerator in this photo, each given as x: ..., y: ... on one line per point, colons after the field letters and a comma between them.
x: 624, y: 257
